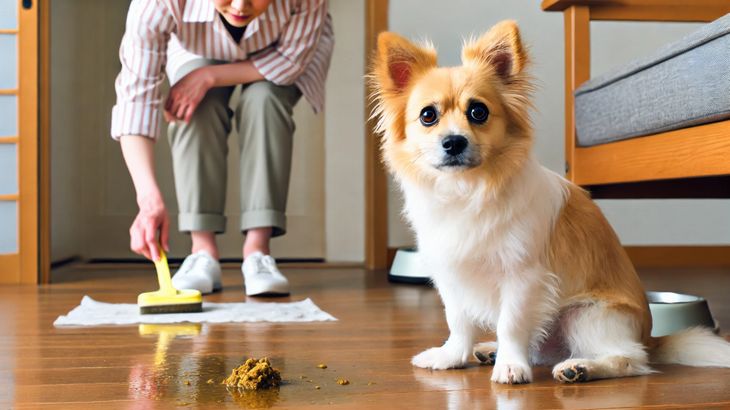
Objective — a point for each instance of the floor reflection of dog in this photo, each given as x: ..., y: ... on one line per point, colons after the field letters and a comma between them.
x: 462, y: 391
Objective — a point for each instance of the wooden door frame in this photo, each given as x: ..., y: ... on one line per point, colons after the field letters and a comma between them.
x: 44, y: 156
x: 26, y: 260
x: 376, y: 179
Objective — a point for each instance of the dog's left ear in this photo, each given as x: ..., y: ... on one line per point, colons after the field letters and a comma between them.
x: 501, y: 48
x: 397, y: 62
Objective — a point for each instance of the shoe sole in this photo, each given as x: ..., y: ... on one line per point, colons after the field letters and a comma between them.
x: 266, y: 291
x: 268, y: 294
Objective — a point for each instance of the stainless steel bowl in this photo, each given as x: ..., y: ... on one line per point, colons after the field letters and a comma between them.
x: 672, y: 312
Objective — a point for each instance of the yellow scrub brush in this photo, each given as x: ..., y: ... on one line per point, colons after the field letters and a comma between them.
x: 168, y: 299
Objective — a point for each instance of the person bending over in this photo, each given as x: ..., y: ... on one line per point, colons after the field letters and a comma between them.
x: 276, y: 51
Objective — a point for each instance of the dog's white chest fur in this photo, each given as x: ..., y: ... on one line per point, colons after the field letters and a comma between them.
x: 473, y: 243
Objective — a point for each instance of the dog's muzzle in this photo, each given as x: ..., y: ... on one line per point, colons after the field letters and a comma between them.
x: 457, y: 152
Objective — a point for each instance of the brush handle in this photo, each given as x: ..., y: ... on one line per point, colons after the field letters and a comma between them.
x: 163, y: 274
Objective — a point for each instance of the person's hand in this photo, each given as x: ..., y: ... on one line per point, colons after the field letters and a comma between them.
x: 186, y: 94
x: 151, y: 219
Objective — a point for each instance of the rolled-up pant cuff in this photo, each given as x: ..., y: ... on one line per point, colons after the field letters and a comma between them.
x: 264, y: 218
x: 201, y: 222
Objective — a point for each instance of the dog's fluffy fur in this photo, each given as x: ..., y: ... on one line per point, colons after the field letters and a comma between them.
x: 512, y: 247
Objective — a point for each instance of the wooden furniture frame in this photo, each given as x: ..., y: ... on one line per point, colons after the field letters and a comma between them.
x: 685, y: 163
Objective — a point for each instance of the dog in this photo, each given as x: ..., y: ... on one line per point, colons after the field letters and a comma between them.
x: 514, y: 247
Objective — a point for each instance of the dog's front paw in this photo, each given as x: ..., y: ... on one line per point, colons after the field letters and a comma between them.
x: 511, y: 373
x: 439, y: 358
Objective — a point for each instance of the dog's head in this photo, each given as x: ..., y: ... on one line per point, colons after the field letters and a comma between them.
x: 464, y: 122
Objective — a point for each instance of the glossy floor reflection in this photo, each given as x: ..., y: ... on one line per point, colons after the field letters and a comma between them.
x: 380, y: 327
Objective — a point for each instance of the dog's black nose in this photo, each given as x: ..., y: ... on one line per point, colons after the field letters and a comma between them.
x: 454, y: 144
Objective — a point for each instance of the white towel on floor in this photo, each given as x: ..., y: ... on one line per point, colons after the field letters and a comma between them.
x: 90, y: 312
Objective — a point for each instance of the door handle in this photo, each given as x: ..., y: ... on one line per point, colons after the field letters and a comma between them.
x: 27, y: 4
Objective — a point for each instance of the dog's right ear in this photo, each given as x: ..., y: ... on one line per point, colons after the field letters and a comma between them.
x: 397, y: 61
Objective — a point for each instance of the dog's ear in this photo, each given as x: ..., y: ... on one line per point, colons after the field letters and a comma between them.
x: 398, y: 60
x: 501, y: 48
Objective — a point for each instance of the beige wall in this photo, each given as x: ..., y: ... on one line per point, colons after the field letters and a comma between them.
x: 345, y: 135
x: 81, y: 33
x: 638, y: 222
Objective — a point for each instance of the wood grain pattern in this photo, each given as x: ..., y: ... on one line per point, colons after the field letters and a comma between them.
x: 577, y: 71
x: 650, y: 10
x: 10, y: 264
x: 380, y: 327
x: 44, y: 129
x: 28, y: 145
x: 690, y: 152
x: 679, y: 13
x: 376, y: 179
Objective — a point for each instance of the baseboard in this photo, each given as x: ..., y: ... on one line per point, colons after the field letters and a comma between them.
x: 65, y: 261
x: 666, y: 256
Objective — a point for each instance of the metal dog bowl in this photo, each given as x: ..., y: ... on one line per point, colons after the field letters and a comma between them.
x: 672, y: 312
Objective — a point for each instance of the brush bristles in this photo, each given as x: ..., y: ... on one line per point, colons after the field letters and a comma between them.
x: 181, y: 308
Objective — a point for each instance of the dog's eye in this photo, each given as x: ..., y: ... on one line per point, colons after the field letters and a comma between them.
x: 477, y: 112
x: 429, y: 116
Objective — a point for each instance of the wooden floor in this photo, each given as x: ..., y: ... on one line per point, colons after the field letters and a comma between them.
x: 380, y: 327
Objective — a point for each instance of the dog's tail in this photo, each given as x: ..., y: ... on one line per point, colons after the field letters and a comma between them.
x: 697, y: 346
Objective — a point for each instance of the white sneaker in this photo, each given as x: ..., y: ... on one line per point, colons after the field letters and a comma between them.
x: 198, y: 271
x: 262, y: 277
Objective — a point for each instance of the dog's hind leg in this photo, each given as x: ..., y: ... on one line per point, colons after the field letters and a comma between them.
x: 486, y: 352
x: 604, y: 342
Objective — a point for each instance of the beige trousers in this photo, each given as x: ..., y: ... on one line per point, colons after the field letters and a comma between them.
x: 264, y: 128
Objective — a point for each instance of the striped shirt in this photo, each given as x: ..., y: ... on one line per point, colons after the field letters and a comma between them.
x: 290, y: 43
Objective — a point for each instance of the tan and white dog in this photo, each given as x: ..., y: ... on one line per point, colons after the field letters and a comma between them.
x: 515, y: 248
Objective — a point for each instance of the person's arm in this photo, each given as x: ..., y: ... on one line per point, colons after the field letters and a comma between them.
x: 142, y: 55
x: 281, y: 64
x: 240, y: 72
x: 187, y: 93
x: 138, y: 152
x: 135, y: 117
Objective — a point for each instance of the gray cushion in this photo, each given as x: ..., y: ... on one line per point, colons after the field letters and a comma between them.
x: 685, y: 83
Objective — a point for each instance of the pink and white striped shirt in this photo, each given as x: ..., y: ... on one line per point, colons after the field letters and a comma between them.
x: 290, y: 43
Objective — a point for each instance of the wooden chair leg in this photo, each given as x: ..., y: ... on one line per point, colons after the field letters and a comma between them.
x: 577, y: 71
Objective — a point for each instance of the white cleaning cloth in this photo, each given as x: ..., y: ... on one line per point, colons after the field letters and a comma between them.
x: 91, y: 312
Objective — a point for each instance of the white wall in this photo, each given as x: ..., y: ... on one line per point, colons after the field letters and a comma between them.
x: 345, y: 135
x: 638, y: 222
